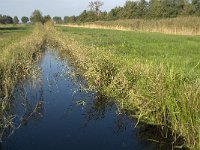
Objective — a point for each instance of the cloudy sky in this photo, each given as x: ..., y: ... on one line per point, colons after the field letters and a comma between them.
x: 53, y: 7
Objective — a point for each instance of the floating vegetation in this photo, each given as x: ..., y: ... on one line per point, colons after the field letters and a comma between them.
x: 80, y: 103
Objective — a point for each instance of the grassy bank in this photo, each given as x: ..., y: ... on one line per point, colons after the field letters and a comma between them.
x: 13, y: 33
x: 18, y: 51
x: 152, y: 91
x: 180, y: 26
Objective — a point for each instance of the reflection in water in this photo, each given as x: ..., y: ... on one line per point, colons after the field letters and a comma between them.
x: 27, y: 103
x: 53, y: 112
x: 97, y: 110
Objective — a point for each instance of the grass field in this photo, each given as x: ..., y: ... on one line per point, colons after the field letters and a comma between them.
x: 180, y: 52
x: 12, y: 33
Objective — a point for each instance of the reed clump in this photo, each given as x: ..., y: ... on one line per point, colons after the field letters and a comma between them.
x: 179, y: 26
x: 16, y: 63
x: 155, y: 94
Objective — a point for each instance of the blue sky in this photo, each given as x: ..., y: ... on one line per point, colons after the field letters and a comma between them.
x: 53, y: 7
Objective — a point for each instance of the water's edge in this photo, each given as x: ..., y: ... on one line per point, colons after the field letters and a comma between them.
x: 53, y: 112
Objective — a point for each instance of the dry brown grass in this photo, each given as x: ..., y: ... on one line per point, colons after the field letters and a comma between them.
x: 177, y: 26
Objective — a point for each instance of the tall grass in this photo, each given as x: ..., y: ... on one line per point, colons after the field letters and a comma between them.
x: 16, y: 63
x: 156, y: 95
x: 180, y: 26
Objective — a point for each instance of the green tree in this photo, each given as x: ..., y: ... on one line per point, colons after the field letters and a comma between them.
x: 142, y: 8
x: 36, y: 16
x: 155, y: 9
x: 180, y: 6
x: 24, y: 19
x: 15, y: 20
x: 83, y: 16
x: 115, y: 13
x: 7, y: 19
x: 72, y: 19
x: 66, y: 19
x: 88, y: 16
x: 1, y: 19
x: 46, y: 18
x: 139, y: 9
x: 103, y: 16
x: 168, y: 9
x: 195, y: 7
x: 57, y: 20
x: 130, y: 10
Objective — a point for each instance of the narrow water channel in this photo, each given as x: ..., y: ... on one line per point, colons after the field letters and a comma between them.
x: 55, y: 114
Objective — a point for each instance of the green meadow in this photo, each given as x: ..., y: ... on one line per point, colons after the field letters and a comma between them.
x: 13, y: 33
x: 180, y: 52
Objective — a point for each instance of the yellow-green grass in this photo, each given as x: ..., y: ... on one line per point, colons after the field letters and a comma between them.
x: 13, y: 33
x: 154, y: 77
x: 17, y: 56
x: 180, y: 52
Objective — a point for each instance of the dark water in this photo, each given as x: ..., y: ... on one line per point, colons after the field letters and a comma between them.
x: 55, y: 113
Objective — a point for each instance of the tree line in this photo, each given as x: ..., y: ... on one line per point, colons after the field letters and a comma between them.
x: 4, y: 19
x: 140, y: 9
x: 35, y: 17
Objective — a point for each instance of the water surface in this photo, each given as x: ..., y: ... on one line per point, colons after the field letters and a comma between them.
x: 54, y: 113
